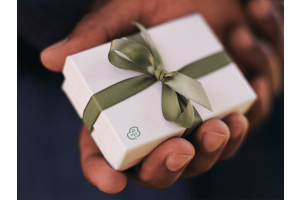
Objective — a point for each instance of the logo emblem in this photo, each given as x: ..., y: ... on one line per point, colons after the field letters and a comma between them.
x: 133, y: 133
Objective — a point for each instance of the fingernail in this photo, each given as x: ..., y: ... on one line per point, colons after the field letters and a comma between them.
x: 175, y: 161
x: 58, y: 44
x: 213, y: 140
x: 235, y: 129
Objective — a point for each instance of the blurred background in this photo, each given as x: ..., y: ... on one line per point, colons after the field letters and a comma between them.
x: 48, y: 126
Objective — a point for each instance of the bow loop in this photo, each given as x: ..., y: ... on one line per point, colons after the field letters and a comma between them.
x: 130, y: 55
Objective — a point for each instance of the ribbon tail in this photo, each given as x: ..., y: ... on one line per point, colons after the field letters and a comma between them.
x: 172, y: 110
x: 197, y: 122
x: 188, y: 87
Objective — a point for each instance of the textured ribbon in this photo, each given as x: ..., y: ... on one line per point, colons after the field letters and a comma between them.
x: 138, y: 53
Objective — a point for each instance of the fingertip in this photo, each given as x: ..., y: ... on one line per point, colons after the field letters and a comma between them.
x: 262, y: 87
x: 276, y: 70
x: 211, y: 135
x: 162, y: 167
x: 171, y: 147
x: 237, y: 124
x: 101, y: 175
x: 47, y: 60
x: 52, y: 58
x: 241, y: 38
x: 260, y: 9
x: 175, y: 161
x: 95, y: 168
x: 262, y: 106
x: 112, y: 183
x: 213, y: 140
x: 209, y: 141
x: 214, y: 125
x: 186, y: 147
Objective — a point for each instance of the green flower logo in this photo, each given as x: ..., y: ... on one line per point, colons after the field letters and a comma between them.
x: 133, y: 133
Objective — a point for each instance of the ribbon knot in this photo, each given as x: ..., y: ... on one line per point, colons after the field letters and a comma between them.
x: 160, y: 74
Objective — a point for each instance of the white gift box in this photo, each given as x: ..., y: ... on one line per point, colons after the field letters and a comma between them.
x: 179, y: 43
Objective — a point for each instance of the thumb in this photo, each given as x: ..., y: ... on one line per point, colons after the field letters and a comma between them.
x: 94, y: 29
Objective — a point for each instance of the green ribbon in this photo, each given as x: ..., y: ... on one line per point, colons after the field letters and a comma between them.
x: 139, y: 54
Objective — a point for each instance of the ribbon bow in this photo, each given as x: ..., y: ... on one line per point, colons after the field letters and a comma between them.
x: 178, y: 87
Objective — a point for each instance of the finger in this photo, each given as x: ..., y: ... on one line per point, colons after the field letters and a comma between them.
x: 238, y: 126
x: 280, y: 7
x: 280, y: 4
x: 275, y: 72
x: 245, y: 49
x: 262, y: 105
x: 165, y: 164
x: 95, y: 169
x: 267, y: 19
x: 209, y: 141
x: 255, y: 55
x: 96, y: 28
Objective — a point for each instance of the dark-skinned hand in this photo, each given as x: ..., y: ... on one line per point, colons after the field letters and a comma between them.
x: 238, y: 26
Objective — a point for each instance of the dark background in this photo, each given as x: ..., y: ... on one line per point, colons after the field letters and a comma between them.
x: 48, y: 158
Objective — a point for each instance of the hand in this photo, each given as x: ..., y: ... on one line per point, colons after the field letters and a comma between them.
x: 175, y: 157
x: 234, y: 23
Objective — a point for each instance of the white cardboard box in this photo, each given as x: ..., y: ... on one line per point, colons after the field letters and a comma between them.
x: 179, y: 43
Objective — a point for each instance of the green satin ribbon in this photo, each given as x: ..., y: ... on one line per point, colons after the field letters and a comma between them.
x: 139, y: 54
